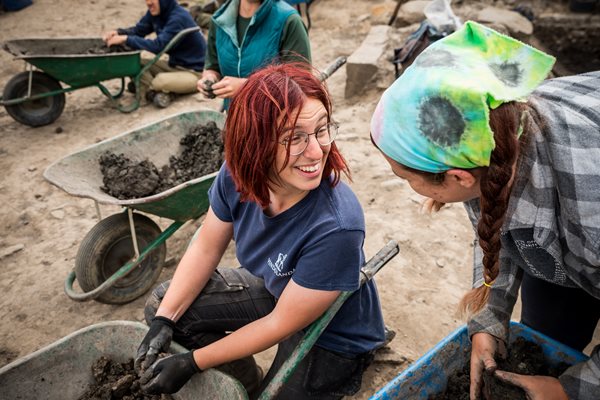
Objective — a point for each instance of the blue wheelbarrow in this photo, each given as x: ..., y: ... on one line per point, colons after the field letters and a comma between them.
x: 429, y: 375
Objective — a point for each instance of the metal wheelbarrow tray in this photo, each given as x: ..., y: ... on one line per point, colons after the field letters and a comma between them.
x: 63, y: 369
x: 122, y: 256
x: 66, y: 59
x: 36, y: 97
x: 429, y: 374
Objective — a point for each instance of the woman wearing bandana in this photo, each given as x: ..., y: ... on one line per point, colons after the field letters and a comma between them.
x: 471, y: 121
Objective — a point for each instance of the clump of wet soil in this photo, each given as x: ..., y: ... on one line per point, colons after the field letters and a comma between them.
x: 208, y: 84
x: 116, y: 381
x: 104, y: 49
x: 524, y: 357
x: 202, y: 154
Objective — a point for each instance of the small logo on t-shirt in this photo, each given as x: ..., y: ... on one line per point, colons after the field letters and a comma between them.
x: 277, y: 267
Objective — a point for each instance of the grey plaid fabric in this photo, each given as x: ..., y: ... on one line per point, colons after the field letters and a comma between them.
x: 552, y: 226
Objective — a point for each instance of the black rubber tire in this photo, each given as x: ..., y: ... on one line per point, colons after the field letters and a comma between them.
x: 38, y: 112
x: 108, y: 246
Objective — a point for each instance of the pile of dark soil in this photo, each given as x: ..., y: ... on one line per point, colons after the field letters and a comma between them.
x: 202, y: 154
x: 103, y: 49
x: 116, y: 381
x: 526, y: 358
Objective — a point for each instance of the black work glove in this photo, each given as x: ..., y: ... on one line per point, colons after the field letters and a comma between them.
x: 157, y: 340
x: 169, y: 374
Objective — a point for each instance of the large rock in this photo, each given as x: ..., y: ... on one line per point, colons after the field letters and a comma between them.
x: 411, y: 12
x: 362, y: 65
x: 518, y: 26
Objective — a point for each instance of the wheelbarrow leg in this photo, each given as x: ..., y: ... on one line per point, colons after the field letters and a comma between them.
x: 113, y: 98
x: 123, y: 271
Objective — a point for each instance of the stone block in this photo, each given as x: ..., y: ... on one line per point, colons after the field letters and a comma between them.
x: 362, y: 65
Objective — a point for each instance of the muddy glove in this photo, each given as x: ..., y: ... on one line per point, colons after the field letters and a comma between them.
x: 157, y: 340
x: 169, y: 374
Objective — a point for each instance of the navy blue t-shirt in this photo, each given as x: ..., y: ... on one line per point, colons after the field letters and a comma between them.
x: 317, y: 243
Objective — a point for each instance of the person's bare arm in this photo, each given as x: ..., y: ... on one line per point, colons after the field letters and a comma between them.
x: 196, y: 266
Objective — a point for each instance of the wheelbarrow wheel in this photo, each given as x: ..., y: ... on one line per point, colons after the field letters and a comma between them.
x: 109, y: 246
x: 38, y: 112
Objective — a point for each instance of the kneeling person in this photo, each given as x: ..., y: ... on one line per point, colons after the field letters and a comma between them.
x: 298, y: 233
x: 186, y: 59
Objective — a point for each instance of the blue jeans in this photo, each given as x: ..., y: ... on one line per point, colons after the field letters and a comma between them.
x: 234, y: 297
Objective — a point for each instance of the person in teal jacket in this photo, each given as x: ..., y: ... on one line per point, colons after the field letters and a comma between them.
x: 248, y: 34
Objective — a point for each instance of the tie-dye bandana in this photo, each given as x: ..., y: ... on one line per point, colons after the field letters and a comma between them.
x: 436, y: 114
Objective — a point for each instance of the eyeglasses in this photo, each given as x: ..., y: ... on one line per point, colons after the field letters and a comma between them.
x: 298, y: 141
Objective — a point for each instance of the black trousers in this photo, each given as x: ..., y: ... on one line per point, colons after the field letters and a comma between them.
x: 568, y: 315
x: 233, y: 298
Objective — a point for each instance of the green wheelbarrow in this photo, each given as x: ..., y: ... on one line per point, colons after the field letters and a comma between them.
x: 122, y: 255
x: 62, y: 370
x: 36, y: 97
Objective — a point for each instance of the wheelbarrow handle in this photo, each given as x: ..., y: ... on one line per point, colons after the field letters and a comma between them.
x: 168, y: 47
x: 383, y: 256
x: 177, y: 38
x: 334, y: 66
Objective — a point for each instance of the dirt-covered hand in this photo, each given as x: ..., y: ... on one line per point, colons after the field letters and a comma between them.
x: 535, y: 387
x: 157, y: 340
x: 483, y: 350
x: 106, y: 36
x: 169, y: 374
x: 206, y: 89
x: 204, y: 84
x: 116, y: 40
x: 227, y: 87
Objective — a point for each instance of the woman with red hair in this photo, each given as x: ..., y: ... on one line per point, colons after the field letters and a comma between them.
x: 298, y: 233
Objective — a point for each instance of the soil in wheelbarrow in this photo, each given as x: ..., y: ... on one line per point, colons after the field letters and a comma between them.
x: 524, y: 357
x: 103, y: 49
x: 202, y: 154
x: 116, y: 381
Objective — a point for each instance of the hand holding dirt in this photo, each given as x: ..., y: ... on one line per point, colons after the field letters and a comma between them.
x: 208, y: 88
x: 157, y: 340
x: 113, y: 380
x: 169, y: 374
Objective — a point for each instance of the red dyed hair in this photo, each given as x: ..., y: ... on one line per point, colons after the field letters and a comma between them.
x: 270, y: 101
